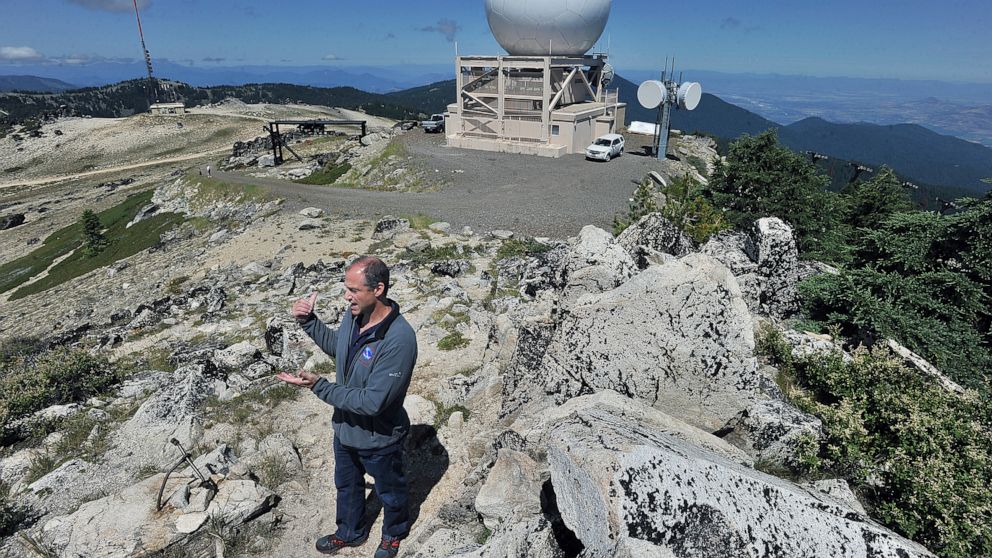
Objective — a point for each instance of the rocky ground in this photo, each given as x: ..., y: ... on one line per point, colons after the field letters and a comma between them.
x: 583, y: 395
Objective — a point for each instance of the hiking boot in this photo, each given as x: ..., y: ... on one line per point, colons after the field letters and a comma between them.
x: 388, y: 548
x: 331, y: 544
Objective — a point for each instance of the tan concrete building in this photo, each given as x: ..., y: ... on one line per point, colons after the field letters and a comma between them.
x: 167, y: 109
x: 539, y: 105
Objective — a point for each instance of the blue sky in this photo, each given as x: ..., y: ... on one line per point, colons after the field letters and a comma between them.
x: 912, y: 39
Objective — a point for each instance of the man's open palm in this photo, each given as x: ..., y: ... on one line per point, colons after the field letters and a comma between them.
x: 304, y: 379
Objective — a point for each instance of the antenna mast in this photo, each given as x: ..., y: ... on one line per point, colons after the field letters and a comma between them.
x: 152, y: 88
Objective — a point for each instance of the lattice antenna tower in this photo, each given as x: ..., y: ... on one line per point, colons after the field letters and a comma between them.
x: 667, y: 94
x: 152, y: 86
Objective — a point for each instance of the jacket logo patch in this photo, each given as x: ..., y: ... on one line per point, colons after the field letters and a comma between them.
x: 367, y: 355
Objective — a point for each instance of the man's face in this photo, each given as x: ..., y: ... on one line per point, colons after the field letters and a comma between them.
x: 361, y: 298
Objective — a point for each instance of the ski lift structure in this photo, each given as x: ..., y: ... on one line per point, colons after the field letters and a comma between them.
x: 666, y: 95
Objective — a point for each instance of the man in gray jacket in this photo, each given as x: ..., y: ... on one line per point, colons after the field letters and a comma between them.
x: 375, y: 350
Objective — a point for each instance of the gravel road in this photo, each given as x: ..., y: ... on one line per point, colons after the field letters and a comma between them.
x: 526, y: 194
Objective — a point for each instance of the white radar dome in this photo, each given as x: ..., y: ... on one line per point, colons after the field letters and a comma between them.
x: 543, y: 27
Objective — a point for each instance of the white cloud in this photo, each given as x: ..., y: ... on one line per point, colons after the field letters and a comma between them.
x: 446, y: 27
x: 20, y: 54
x: 331, y: 57
x: 112, y: 5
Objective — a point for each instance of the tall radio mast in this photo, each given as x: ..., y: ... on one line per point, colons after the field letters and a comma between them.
x: 152, y: 87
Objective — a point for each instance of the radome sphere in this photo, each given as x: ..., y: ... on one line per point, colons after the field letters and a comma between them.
x: 543, y: 27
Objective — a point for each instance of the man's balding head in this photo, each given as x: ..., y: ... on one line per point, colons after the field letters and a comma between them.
x: 374, y: 271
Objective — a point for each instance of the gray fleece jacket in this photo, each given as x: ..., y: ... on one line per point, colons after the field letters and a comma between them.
x: 368, y: 397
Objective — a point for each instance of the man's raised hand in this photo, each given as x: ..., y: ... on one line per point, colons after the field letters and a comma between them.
x: 303, y: 308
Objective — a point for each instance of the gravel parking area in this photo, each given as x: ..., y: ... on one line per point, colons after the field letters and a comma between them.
x: 487, y: 191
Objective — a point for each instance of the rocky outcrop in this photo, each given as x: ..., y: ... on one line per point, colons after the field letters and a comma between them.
x: 677, y: 336
x: 765, y: 263
x: 128, y: 524
x: 651, y: 234
x: 618, y: 479
x: 512, y: 490
x: 595, y: 263
x: 172, y: 412
x: 389, y: 226
x: 11, y: 221
x: 774, y: 432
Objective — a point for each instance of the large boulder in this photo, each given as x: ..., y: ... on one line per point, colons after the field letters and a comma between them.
x: 778, y: 264
x: 595, y: 263
x: 654, y: 233
x: 765, y: 263
x: 172, y: 412
x: 122, y: 524
x: 512, y: 491
x: 774, y: 432
x: 677, y: 336
x: 623, y: 486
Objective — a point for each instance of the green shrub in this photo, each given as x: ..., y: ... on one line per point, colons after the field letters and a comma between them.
x: 643, y: 203
x: 920, y: 456
x: 55, y: 377
x: 432, y: 254
x: 686, y: 208
x: 452, y: 341
x: 327, y: 175
x: 923, y: 279
x: 19, y: 349
x: 445, y: 412
x: 516, y: 247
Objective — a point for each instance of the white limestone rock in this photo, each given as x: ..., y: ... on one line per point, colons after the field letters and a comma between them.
x: 773, y: 431
x: 512, y: 492
x: 654, y: 233
x: 678, y: 337
x: 614, y: 478
x: 419, y: 409
x: 240, y: 501
x: 595, y: 263
x: 777, y: 257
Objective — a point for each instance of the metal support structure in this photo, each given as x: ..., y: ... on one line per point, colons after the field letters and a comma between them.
x: 664, y: 129
x: 278, y: 144
x: 186, y: 458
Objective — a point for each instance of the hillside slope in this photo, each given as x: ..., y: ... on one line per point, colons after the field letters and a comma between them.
x: 910, y: 149
x: 33, y: 83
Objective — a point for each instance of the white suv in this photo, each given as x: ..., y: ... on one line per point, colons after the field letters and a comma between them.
x: 605, y: 147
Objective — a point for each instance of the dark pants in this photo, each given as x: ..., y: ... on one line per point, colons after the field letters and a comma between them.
x: 386, y: 467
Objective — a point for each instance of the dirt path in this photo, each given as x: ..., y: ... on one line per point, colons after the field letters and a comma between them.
x: 49, y: 179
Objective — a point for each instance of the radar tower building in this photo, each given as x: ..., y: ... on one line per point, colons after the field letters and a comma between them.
x: 547, y: 95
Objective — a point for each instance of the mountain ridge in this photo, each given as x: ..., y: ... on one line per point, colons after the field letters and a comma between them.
x: 912, y: 150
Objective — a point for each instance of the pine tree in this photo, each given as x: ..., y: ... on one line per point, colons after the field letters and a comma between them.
x: 869, y: 203
x: 93, y: 240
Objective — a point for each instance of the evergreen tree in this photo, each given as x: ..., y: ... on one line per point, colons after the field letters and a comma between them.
x: 93, y: 240
x: 762, y: 178
x: 923, y: 279
x: 869, y: 203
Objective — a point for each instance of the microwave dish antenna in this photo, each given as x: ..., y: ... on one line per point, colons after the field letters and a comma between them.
x: 664, y: 95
